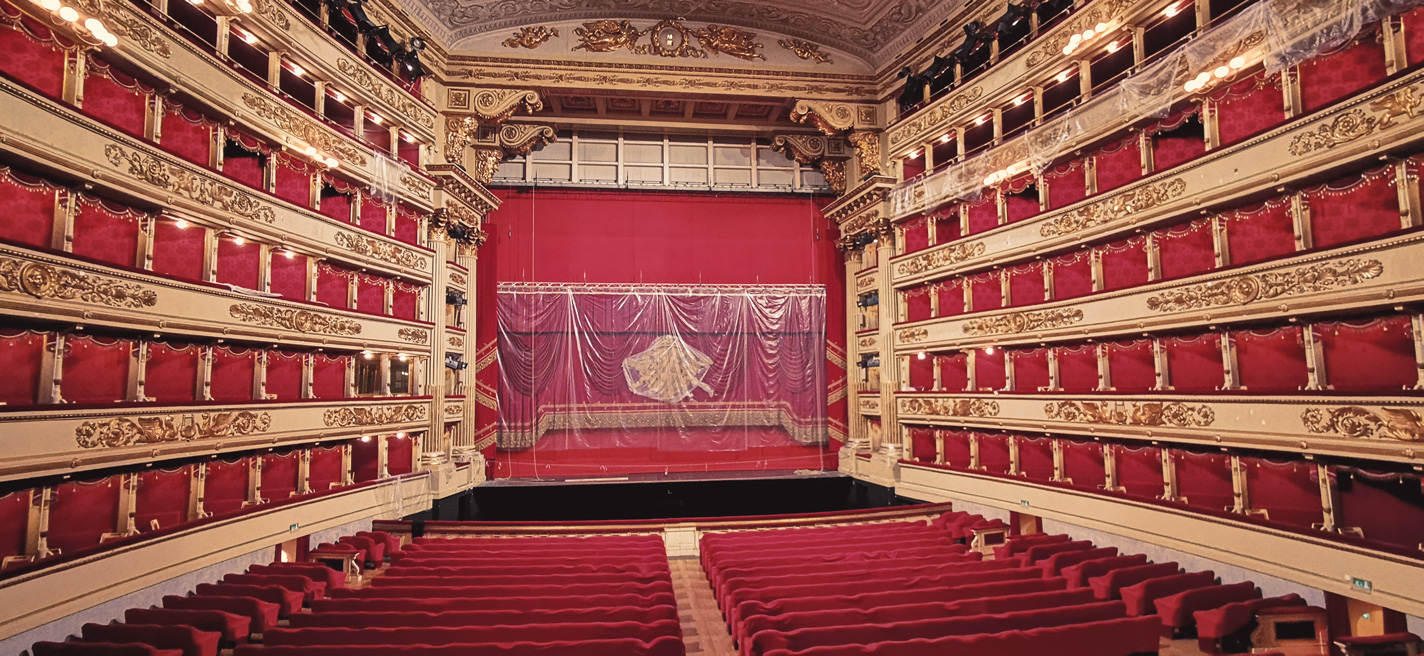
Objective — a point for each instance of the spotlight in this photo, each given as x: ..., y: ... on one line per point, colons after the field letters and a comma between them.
x: 920, y: 355
x: 239, y: 240
x: 988, y: 350
x: 400, y: 436
x: 310, y: 151
x: 288, y: 253
x: 340, y: 97
x: 402, y: 357
x: 409, y: 56
x: 249, y: 38
x: 358, y: 12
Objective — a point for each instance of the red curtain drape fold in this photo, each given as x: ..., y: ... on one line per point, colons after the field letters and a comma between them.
x: 115, y: 98
x: 187, y: 133
x: 30, y: 52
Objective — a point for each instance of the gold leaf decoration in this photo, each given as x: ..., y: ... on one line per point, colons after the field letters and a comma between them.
x: 1354, y: 124
x: 1091, y: 16
x: 183, y: 182
x: 455, y: 341
x: 728, y: 40
x: 660, y: 81
x: 268, y: 9
x: 304, y: 129
x: 361, y: 75
x: 938, y: 113
x: 912, y: 335
x: 414, y: 335
x: 1241, y: 290
x: 1020, y: 322
x: 607, y: 36
x: 417, y: 184
x: 302, y: 321
x: 380, y: 250
x: 1359, y: 423
x: 46, y: 282
x: 933, y: 260
x: 127, y: 431
x: 386, y: 414
x: 949, y: 407
x: 1116, y: 207
x: 136, y: 31
x: 1171, y: 413
x: 531, y: 37
x: 805, y: 50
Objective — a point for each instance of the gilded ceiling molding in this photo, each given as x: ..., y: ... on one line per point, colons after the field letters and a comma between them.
x: 414, y: 335
x: 867, y: 152
x: 939, y: 112
x: 1240, y: 290
x: 1359, y: 423
x: 531, y: 37
x: 607, y: 36
x: 380, y: 250
x: 728, y: 40
x: 136, y: 30
x: 361, y: 75
x: 1022, y: 322
x: 126, y: 431
x: 805, y: 50
x: 510, y: 140
x: 1114, y: 208
x: 183, y: 182
x: 492, y: 107
x: 1173, y: 413
x: 1355, y: 123
x: 669, y: 38
x: 650, y: 81
x: 935, y: 259
x: 302, y: 321
x: 52, y: 283
x: 833, y: 118
x: 381, y: 414
x: 302, y: 128
x: 1103, y: 11
x: 949, y: 407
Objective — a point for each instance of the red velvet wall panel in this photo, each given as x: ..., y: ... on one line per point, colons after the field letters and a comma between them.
x: 1036, y: 458
x: 225, y: 489
x: 987, y: 291
x: 289, y: 275
x: 1288, y: 492
x: 29, y: 206
x: 14, y: 522
x: 1067, y: 183
x: 82, y: 512
x: 993, y: 452
x: 1072, y: 275
x: 1124, y: 264
x: 162, y: 498
x: 922, y: 444
x: 1139, y: 470
x: 1177, y: 140
x: 178, y: 252
x: 247, y: 169
x: 984, y: 215
x: 336, y: 206
x: 407, y: 227
x: 917, y: 303
x: 1271, y: 362
x: 294, y: 179
x: 1369, y: 356
x: 1204, y: 479
x: 1186, y: 250
x: 1118, y: 164
x: 1026, y: 284
x: 21, y: 356
x: 115, y: 98
x: 364, y: 463
x: 332, y: 285
x: 399, y: 457
x: 279, y: 475
x: 1355, y: 67
x: 953, y: 372
x: 1194, y: 363
x: 171, y: 372
x: 404, y: 301
x: 947, y: 225
x: 912, y: 166
x: 1131, y: 365
x: 370, y: 294
x: 284, y: 375
x: 325, y: 472
x: 373, y: 215
x: 1249, y: 107
x: 29, y: 53
x: 329, y: 376
x: 989, y: 369
x: 951, y: 297
x: 1083, y: 464
x: 187, y: 134
x: 1386, y: 507
x: 917, y: 235
x: 239, y: 264
x: 1023, y: 205
x: 1261, y: 232
x: 233, y: 372
x: 106, y: 231
x: 1077, y: 368
x: 96, y: 369
x: 1414, y: 34
x: 1030, y: 369
x: 956, y: 447
x: 921, y: 372
x: 1354, y: 208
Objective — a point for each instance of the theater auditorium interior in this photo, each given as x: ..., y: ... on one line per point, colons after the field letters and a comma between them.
x: 711, y: 327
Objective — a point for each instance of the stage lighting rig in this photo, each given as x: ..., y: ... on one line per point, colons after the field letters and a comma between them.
x: 409, y: 57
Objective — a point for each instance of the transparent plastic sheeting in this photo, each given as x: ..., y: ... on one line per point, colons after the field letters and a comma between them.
x: 668, y: 371
x: 1276, y: 33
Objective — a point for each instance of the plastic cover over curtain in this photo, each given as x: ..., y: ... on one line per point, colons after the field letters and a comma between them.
x: 680, y: 373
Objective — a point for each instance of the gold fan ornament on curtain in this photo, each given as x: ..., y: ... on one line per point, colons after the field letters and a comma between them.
x: 667, y: 371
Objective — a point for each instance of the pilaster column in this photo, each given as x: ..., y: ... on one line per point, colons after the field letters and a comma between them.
x: 855, y: 423
x: 432, y: 452
x: 891, y: 445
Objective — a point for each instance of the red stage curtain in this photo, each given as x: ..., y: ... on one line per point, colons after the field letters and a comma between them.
x: 1288, y: 491
x: 82, y: 512
x: 984, y: 215
x: 921, y: 372
x: 1036, y: 457
x: 956, y: 447
x: 162, y: 498
x: 917, y: 303
x: 1185, y: 250
x: 279, y: 475
x: 239, y: 264
x: 114, y: 98
x: 1083, y: 464
x: 1194, y: 363
x: 1353, y: 68
x: 1021, y: 198
x: 407, y: 225
x: 917, y: 235
x: 1260, y: 232
x: 22, y: 353
x: 284, y: 375
x: 1354, y: 208
x: 1026, y: 284
x: 96, y: 369
x: 399, y: 454
x: 1387, y: 507
x: 289, y: 275
x: 1131, y: 365
x: 1204, y: 479
x: 233, y: 372
x: 1249, y: 107
x: 988, y: 291
x: 1077, y: 368
x: 1124, y: 263
x: 1119, y: 163
x: 107, y: 231
x: 294, y: 180
x: 1178, y: 139
x: 187, y: 134
x: 1030, y: 369
x: 325, y: 471
x: 1072, y: 275
x: 1414, y: 34
x: 922, y: 444
x: 30, y: 53
x: 1139, y: 471
x: 953, y: 372
x: 171, y: 372
x: 1368, y: 356
x: 993, y: 452
x: 1271, y: 362
x: 225, y: 489
x: 404, y: 300
x: 371, y: 294
x: 951, y: 297
x: 246, y: 159
x: 989, y: 369
x: 14, y: 522
x: 332, y: 285
x: 364, y: 455
x: 178, y: 252
x: 1067, y: 183
x: 329, y: 376
x: 29, y: 206
x: 373, y: 215
x: 946, y: 225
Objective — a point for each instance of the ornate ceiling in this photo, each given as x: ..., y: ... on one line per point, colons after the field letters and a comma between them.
x: 873, y: 30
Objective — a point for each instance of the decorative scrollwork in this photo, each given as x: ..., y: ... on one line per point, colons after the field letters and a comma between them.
x: 360, y: 74
x: 304, y: 129
x: 183, y: 182
x: 129, y: 431
x: 385, y: 414
x: 1245, y: 289
x: 268, y: 9
x: 1171, y: 413
x: 1022, y: 322
x: 1355, y: 123
x: 1116, y: 207
x: 455, y: 341
x: 938, y: 113
x: 834, y: 172
x: 417, y: 184
x: 728, y: 40
x: 496, y: 105
x: 1101, y: 12
x: 1361, y: 424
x: 935, y: 259
x: 136, y: 31
x: 831, y: 118
x: 912, y: 335
x: 302, y: 321
x: 46, y: 282
x: 414, y: 335
x: 867, y: 151
x: 380, y: 250
x: 531, y: 37
x: 949, y: 407
x: 805, y: 50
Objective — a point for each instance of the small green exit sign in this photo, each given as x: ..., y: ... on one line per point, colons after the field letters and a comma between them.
x: 1362, y: 585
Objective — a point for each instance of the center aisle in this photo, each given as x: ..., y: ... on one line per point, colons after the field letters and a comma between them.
x: 703, y: 630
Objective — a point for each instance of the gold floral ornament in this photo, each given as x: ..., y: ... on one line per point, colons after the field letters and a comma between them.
x: 805, y: 50
x: 607, y: 36
x: 1119, y: 206
x: 670, y: 39
x: 1241, y: 290
x: 380, y: 250
x: 1355, y: 123
x: 301, y: 321
x: 950, y: 407
x: 730, y: 41
x: 1020, y: 322
x: 311, y: 132
x: 183, y: 182
x: 46, y: 282
x: 413, y: 335
x: 912, y: 335
x: 935, y: 259
x: 125, y: 431
x: 667, y: 371
x: 1171, y: 413
x: 531, y: 37
x: 1359, y: 423
x: 390, y: 414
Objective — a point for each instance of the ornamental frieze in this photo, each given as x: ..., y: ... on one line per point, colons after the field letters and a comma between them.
x: 1355, y: 123
x: 269, y: 10
x: 136, y: 31
x: 1241, y: 290
x: 1103, y: 11
x: 126, y: 431
x: 935, y: 259
x: 864, y: 282
x: 497, y: 105
x: 417, y: 184
x: 302, y: 321
x: 1110, y: 209
x: 941, y: 112
x: 360, y: 74
x: 805, y: 50
x: 1359, y: 423
x: 1172, y: 413
x: 414, y: 335
x: 602, y: 79
x: 1021, y: 322
x: 380, y: 250
x: 46, y: 282
x: 185, y: 183
x: 386, y: 414
x: 531, y: 37
x: 302, y: 128
x: 949, y: 407
x: 912, y: 335
x: 867, y: 343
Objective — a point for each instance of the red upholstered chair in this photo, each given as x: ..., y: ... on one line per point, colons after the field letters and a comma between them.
x: 187, y: 639
x: 288, y: 601
x: 1140, y: 597
x: 1109, y: 585
x: 263, y: 614
x: 314, y: 571
x: 1402, y: 643
x: 309, y: 588
x: 664, y: 646
x: 1021, y: 543
x: 1039, y: 552
x: 1078, y: 575
x: 1177, y: 610
x: 99, y: 649
x: 1217, y: 624
x: 393, y: 543
x: 375, y: 553
x: 1054, y: 564
x: 233, y: 628
x: 342, y: 546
